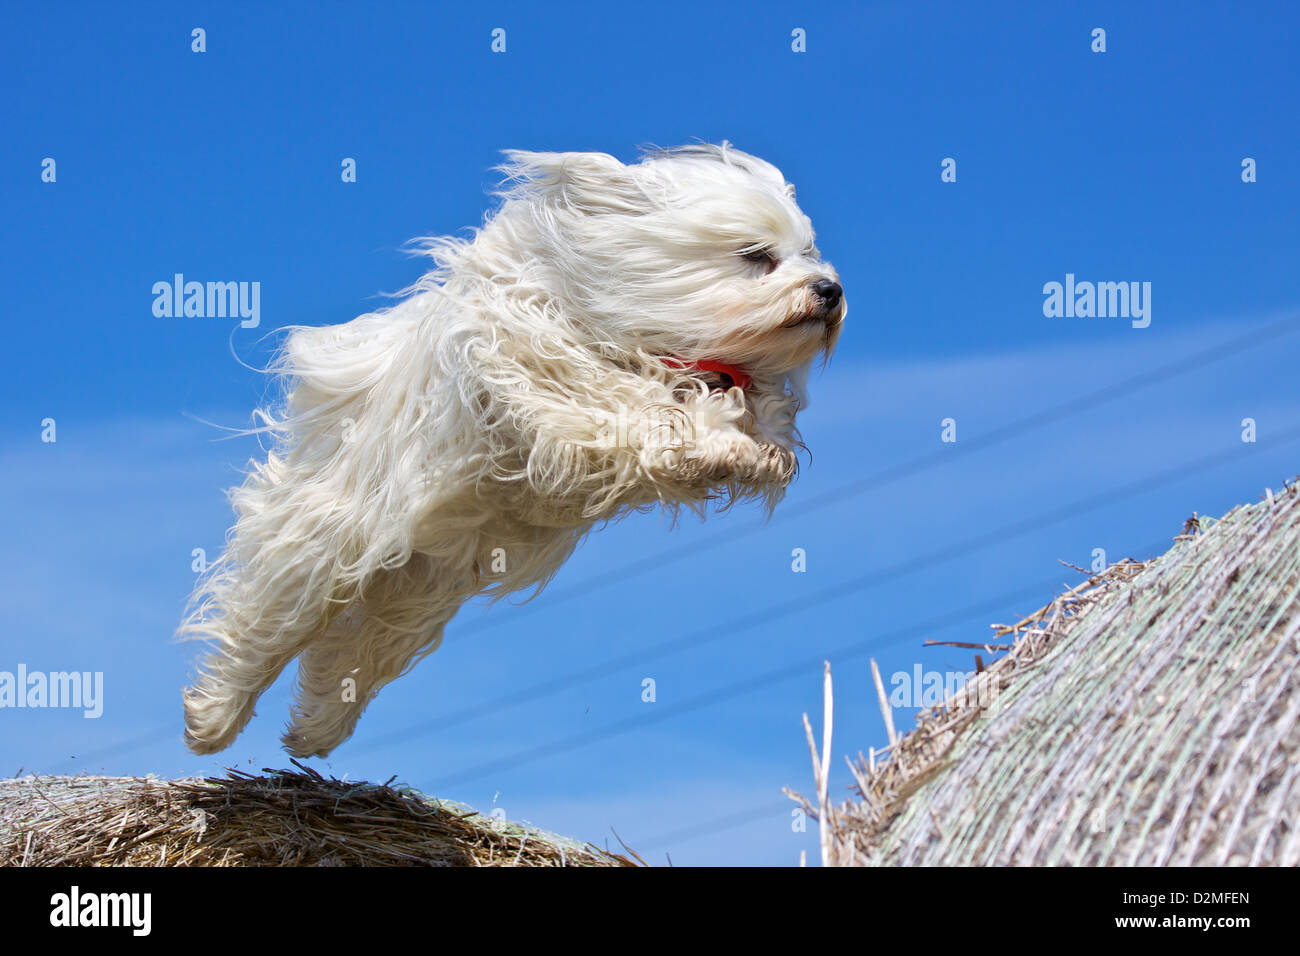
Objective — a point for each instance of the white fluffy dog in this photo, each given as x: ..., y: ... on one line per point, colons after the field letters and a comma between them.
x: 614, y: 337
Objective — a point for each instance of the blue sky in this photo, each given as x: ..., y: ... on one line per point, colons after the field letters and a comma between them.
x: 1115, y: 166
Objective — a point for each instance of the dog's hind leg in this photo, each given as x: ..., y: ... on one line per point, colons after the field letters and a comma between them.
x: 398, y: 621
x: 254, y: 641
x: 275, y: 590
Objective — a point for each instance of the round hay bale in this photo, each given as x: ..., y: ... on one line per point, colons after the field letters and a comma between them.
x: 1149, y: 717
x: 286, y: 818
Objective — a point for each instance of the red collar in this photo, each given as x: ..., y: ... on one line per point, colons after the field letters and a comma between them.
x: 738, y: 375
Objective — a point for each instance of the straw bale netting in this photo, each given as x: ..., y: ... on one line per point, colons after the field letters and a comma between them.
x: 287, y: 818
x: 1150, y: 716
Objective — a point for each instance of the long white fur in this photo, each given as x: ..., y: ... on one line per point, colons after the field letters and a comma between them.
x: 516, y: 396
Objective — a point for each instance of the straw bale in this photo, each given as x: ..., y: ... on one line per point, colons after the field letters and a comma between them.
x: 281, y: 818
x: 1149, y: 716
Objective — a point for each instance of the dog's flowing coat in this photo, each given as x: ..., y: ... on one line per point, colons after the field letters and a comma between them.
x: 538, y: 380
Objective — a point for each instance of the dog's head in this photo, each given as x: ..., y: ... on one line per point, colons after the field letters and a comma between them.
x: 685, y: 287
x: 698, y: 255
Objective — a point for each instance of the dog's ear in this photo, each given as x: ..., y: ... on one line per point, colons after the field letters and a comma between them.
x: 592, y: 182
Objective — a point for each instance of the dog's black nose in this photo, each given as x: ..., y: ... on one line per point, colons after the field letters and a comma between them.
x: 829, y: 291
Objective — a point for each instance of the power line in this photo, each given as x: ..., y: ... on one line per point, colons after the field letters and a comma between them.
x: 735, y: 689
x: 826, y: 594
x: 841, y: 590
x: 829, y: 593
x: 740, y: 688
x: 717, y: 825
x: 905, y: 469
x: 1056, y: 413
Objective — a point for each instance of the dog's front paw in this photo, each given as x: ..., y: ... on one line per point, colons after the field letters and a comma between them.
x: 777, y: 464
x: 723, y: 458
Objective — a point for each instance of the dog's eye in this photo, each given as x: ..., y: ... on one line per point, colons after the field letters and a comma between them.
x: 762, y: 257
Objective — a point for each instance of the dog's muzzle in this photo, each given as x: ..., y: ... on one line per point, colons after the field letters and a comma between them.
x: 829, y: 293
x: 824, y: 302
